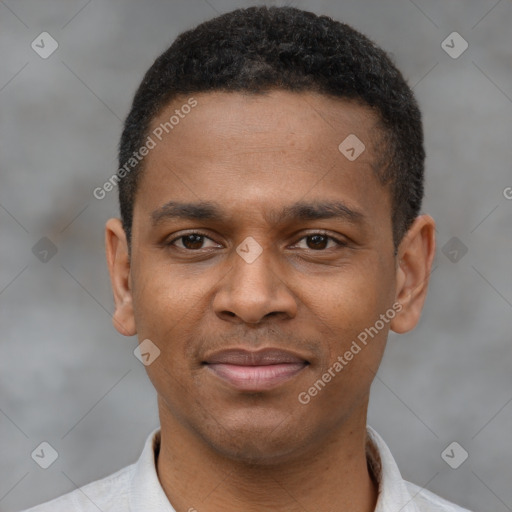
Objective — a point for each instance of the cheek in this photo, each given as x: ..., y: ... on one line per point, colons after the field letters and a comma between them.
x: 163, y: 299
x: 170, y: 309
x: 352, y: 297
x: 353, y: 345
x: 166, y: 312
x: 350, y: 305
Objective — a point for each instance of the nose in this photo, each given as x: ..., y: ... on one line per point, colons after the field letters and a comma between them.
x: 254, y: 289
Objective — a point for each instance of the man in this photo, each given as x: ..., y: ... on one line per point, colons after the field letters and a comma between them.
x: 270, y: 183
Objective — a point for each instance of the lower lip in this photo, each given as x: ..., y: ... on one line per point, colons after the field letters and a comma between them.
x: 256, y: 378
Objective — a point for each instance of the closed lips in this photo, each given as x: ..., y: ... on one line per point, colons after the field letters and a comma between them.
x: 260, y: 358
x: 255, y: 371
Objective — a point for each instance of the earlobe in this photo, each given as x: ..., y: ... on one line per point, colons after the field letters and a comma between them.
x: 119, y: 267
x: 415, y: 257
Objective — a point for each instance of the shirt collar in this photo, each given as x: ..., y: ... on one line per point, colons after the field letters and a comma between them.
x: 393, y: 493
x: 146, y: 493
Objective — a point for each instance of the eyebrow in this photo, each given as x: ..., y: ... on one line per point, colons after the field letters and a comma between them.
x: 300, y: 211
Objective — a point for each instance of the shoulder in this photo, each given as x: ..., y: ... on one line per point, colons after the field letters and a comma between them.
x: 427, y: 501
x: 110, y: 494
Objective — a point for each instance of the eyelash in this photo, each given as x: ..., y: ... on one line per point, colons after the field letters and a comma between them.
x: 340, y: 243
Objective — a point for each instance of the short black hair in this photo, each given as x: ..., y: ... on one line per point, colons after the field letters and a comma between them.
x: 258, y: 49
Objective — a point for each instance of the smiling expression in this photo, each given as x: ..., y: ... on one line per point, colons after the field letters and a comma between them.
x: 259, y: 253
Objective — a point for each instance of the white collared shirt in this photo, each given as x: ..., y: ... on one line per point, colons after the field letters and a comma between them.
x: 136, y: 488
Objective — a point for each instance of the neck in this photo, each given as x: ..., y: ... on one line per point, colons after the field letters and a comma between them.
x: 332, y: 475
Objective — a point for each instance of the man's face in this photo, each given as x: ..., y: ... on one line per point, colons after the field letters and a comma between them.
x: 253, y: 158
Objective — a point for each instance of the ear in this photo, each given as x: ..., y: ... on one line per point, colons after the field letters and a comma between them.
x: 415, y: 256
x: 120, y: 277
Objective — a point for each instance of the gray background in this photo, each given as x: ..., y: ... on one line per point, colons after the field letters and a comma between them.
x: 67, y: 376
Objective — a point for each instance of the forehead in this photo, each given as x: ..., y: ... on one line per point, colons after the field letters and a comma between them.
x: 305, y: 122
x: 248, y: 151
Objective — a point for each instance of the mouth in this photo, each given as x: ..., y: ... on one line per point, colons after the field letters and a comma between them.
x: 255, y: 371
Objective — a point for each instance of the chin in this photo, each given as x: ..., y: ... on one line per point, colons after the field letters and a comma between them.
x: 258, y: 443
x: 257, y: 452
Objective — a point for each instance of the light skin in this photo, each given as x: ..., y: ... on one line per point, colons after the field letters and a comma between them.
x: 226, y: 449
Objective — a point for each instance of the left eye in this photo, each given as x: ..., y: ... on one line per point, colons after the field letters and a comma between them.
x: 315, y: 241
x: 320, y: 240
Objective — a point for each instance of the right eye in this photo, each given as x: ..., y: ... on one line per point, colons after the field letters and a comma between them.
x: 191, y: 241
